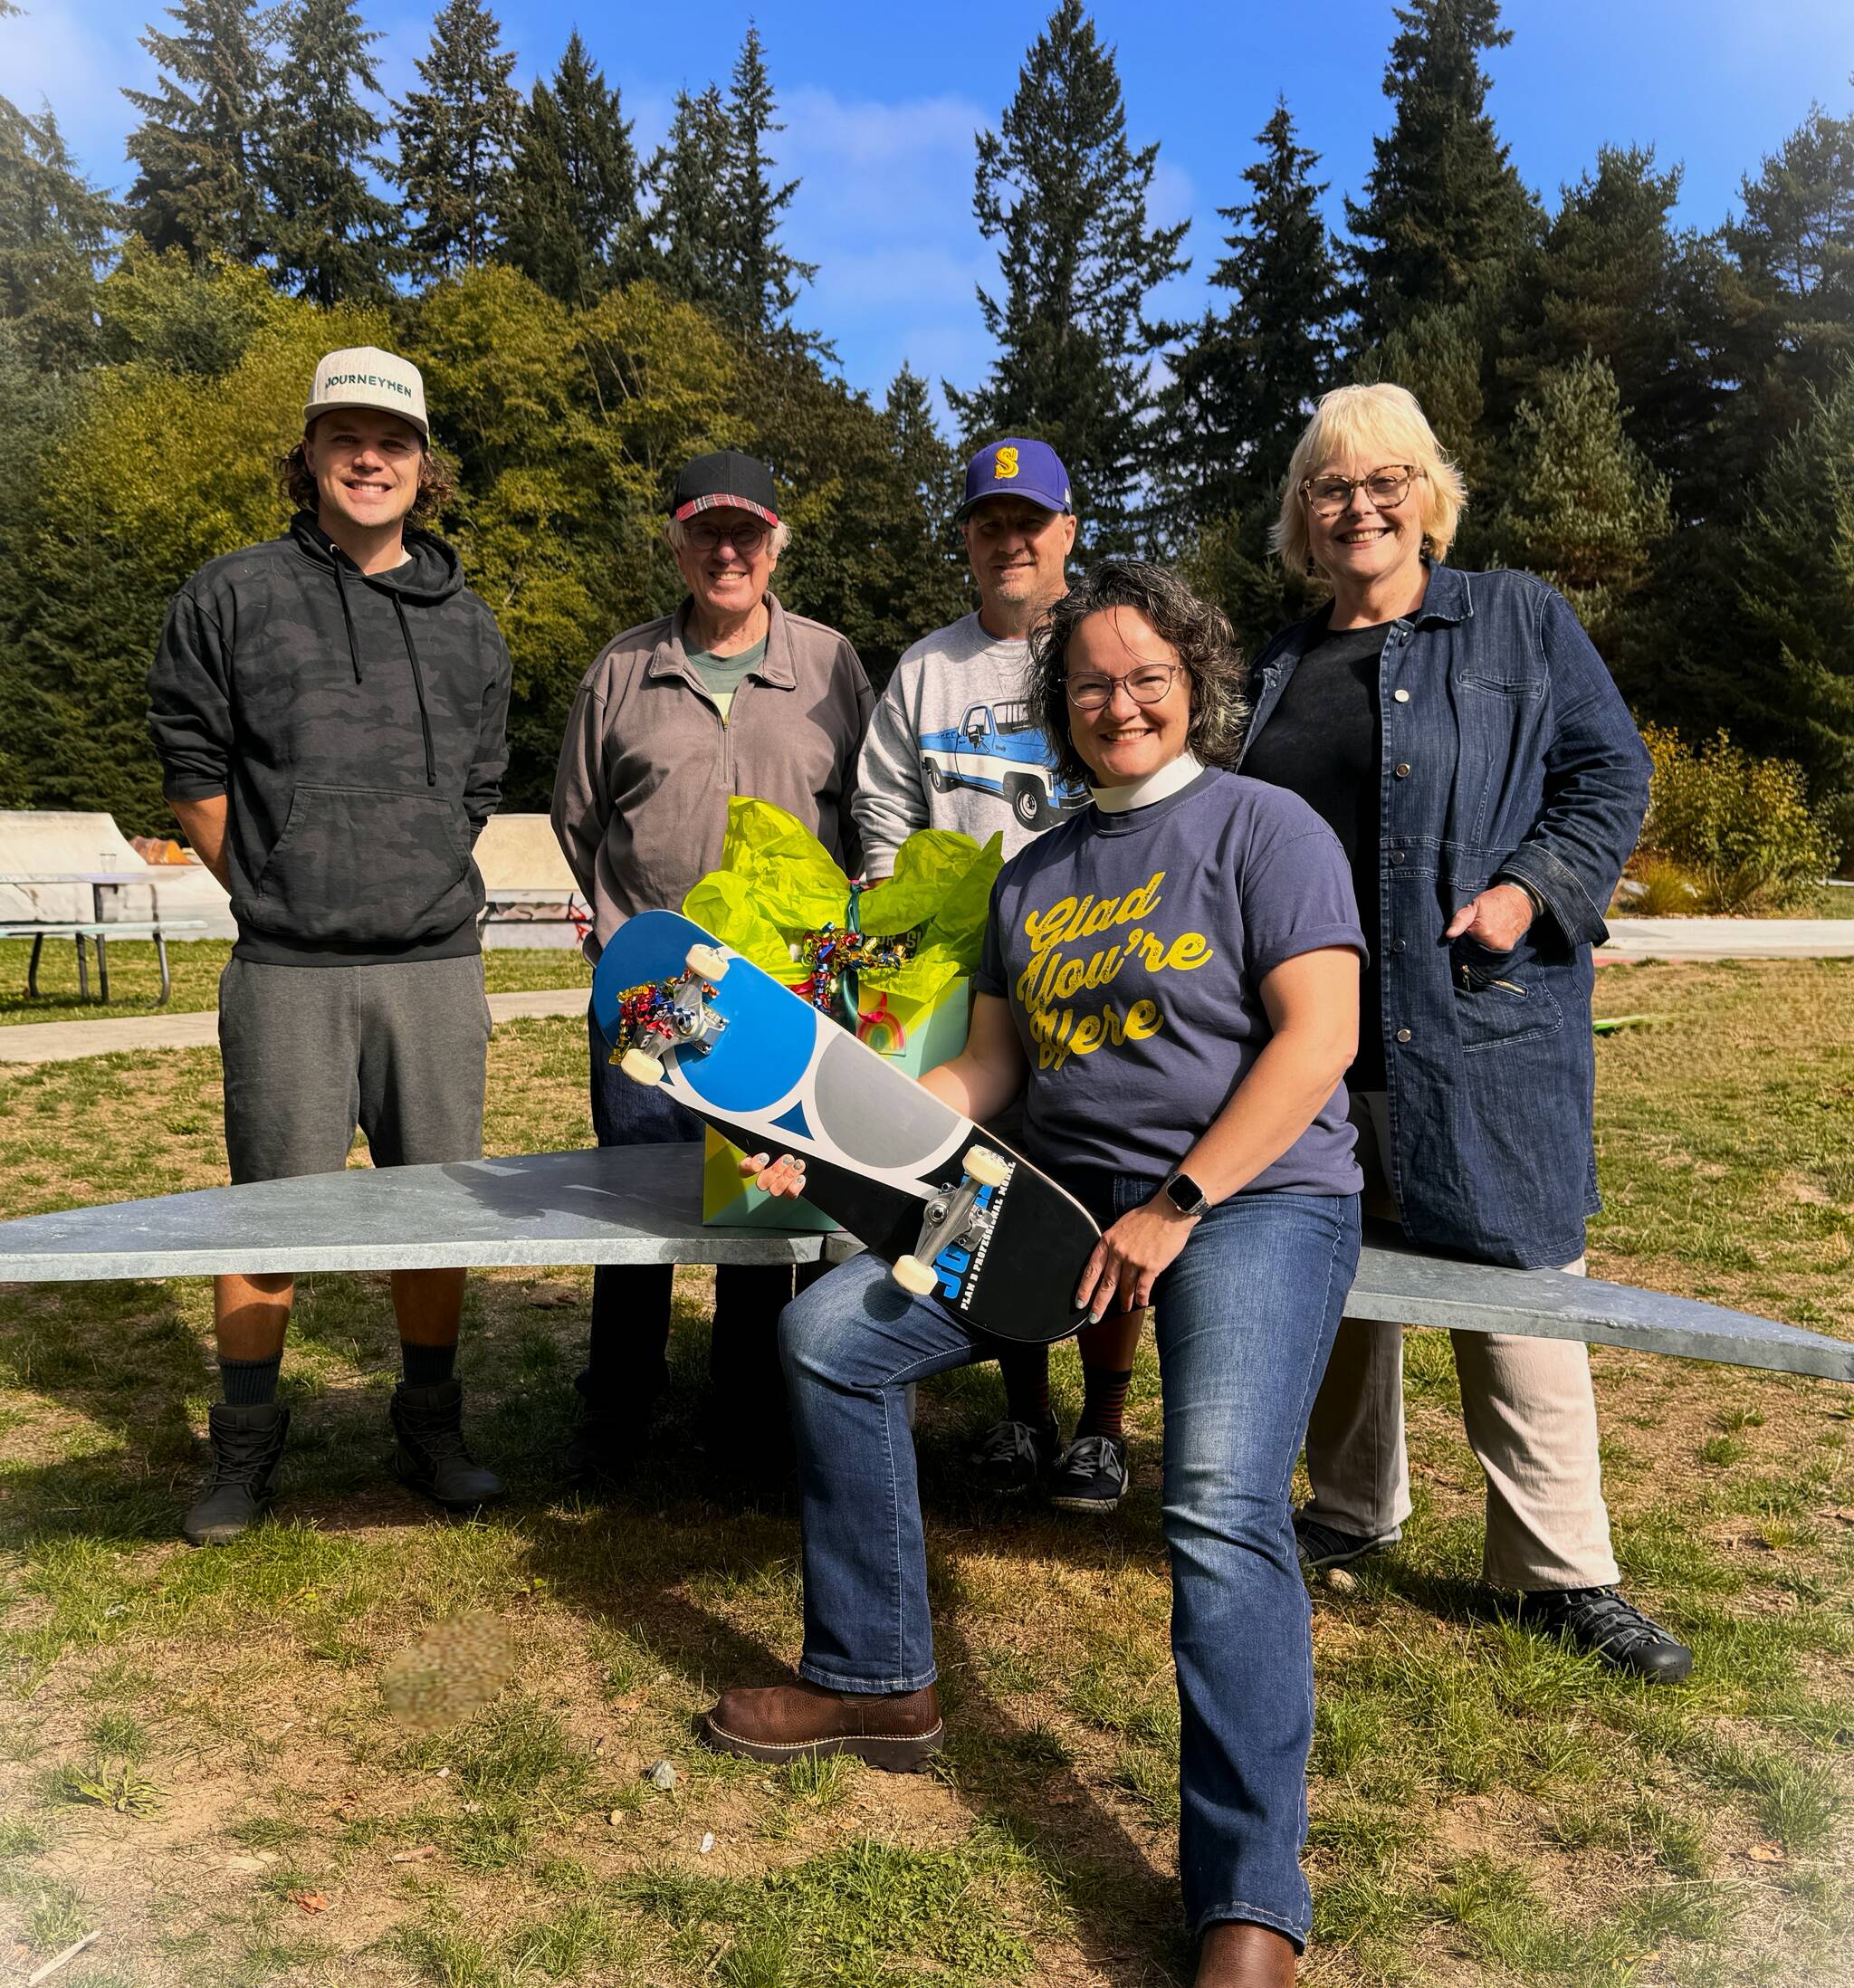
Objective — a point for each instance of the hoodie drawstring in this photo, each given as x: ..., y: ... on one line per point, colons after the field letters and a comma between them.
x: 348, y: 619
x: 431, y: 764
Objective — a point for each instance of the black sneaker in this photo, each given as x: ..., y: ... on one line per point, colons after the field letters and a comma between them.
x: 1601, y: 1621
x: 247, y: 1443
x: 1013, y: 1456
x: 1090, y: 1474
x: 432, y: 1455
x: 1323, y: 1545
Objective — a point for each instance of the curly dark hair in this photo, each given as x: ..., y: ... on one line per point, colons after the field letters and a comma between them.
x: 1200, y: 633
x: 438, y: 484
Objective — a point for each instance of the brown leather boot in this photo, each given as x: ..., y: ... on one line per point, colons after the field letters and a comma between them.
x: 1239, y: 1955
x: 898, y: 1731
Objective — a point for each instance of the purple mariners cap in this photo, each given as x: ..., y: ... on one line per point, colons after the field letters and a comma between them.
x: 1015, y: 467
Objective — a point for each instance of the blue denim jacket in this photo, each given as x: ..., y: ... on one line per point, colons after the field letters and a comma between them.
x: 1507, y: 751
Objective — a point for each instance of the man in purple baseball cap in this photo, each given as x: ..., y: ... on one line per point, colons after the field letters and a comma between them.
x: 1030, y: 471
x: 952, y: 745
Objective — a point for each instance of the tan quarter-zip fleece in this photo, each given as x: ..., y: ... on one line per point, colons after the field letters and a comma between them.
x: 648, y: 765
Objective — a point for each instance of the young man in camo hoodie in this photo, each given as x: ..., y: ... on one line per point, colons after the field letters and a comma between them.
x: 330, y: 710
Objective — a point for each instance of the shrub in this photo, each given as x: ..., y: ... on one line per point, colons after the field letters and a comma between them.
x: 1743, y: 828
x: 1662, y: 889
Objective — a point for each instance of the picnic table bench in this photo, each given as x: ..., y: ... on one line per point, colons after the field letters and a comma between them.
x: 38, y: 928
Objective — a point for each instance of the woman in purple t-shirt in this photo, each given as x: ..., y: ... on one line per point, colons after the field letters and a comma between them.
x: 1170, y: 978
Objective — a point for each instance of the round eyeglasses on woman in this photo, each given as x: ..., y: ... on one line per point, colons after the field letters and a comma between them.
x: 1145, y: 685
x: 1328, y: 496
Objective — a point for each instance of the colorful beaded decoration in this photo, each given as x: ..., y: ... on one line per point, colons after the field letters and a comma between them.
x: 648, y: 1010
x: 829, y: 954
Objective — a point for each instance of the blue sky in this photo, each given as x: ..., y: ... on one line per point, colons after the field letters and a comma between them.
x: 882, y: 104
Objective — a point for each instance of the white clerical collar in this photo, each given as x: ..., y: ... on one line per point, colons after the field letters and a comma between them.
x: 1153, y: 786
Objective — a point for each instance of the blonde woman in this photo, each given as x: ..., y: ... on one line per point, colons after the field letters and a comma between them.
x: 1460, y: 735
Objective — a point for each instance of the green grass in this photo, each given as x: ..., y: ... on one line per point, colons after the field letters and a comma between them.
x: 195, y: 964
x: 443, y: 1727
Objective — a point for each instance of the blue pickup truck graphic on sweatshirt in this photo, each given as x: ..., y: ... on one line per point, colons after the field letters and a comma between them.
x: 998, y: 749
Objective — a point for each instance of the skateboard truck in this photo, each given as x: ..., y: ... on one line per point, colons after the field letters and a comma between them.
x: 954, y: 1217
x: 680, y: 1019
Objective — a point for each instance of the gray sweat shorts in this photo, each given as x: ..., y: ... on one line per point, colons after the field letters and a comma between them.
x: 399, y: 1050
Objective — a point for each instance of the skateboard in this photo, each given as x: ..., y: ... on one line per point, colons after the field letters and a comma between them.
x: 961, y: 1218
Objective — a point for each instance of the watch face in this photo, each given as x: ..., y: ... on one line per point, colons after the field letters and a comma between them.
x: 1186, y: 1194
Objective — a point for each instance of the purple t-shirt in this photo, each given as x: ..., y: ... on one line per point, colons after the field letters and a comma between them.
x: 1131, y: 949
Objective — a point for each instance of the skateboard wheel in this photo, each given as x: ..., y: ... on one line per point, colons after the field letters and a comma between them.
x: 641, y: 1068
x: 988, y: 1168
x: 706, y: 964
x: 915, y: 1275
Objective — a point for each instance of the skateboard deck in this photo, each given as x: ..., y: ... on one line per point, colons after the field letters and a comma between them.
x: 907, y: 1175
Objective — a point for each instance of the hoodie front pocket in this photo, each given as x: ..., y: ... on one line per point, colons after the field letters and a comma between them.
x: 368, y: 866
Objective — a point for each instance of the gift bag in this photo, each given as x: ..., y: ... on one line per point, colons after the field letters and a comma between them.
x: 893, y: 963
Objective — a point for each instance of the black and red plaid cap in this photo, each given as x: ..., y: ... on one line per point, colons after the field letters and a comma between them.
x: 724, y: 478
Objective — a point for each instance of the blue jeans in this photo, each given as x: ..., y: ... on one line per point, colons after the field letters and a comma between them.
x: 1245, y: 1321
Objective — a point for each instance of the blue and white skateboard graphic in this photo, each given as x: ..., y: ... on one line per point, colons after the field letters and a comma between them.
x: 999, y: 1244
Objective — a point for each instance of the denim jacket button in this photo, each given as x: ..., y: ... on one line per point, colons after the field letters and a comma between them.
x: 1402, y: 770
x: 1397, y: 945
x: 1403, y: 1035
x: 1396, y: 856
x: 1402, y: 696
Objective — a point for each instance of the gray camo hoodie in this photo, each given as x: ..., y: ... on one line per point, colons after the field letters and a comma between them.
x: 357, y: 723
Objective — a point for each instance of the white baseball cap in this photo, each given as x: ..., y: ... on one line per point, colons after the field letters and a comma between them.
x: 362, y: 375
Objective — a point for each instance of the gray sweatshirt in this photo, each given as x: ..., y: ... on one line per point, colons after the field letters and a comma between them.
x: 952, y: 745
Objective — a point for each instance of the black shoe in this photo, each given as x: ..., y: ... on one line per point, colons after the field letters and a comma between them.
x: 1323, y: 1545
x: 432, y: 1455
x: 247, y: 1443
x: 1090, y: 1474
x: 1013, y: 1456
x: 603, y: 1451
x: 1601, y: 1621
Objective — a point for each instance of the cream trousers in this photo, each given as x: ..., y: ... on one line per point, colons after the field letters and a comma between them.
x: 1532, y: 1423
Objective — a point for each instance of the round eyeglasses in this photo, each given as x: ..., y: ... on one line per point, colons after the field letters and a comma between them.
x: 1145, y: 685
x: 745, y: 538
x: 1328, y: 496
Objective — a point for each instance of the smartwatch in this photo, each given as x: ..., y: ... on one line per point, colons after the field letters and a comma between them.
x: 1184, y: 1194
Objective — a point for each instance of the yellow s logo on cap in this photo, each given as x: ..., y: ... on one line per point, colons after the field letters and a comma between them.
x: 1005, y: 466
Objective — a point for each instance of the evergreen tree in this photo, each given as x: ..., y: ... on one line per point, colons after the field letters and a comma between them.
x: 200, y: 141
x: 1614, y: 278
x: 1587, y: 504
x: 1445, y: 215
x: 55, y: 226
x: 456, y: 136
x: 1062, y: 191
x: 336, y: 238
x: 1793, y: 248
x: 573, y: 197
x: 1439, y: 354
x: 690, y: 181
x: 1796, y: 687
x: 764, y: 279
x: 1245, y: 382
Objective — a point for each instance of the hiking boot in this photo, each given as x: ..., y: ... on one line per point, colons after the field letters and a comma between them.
x: 1601, y: 1621
x: 431, y: 1455
x: 1013, y: 1456
x: 898, y: 1731
x: 1323, y: 1545
x: 247, y: 1443
x: 1090, y: 1474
